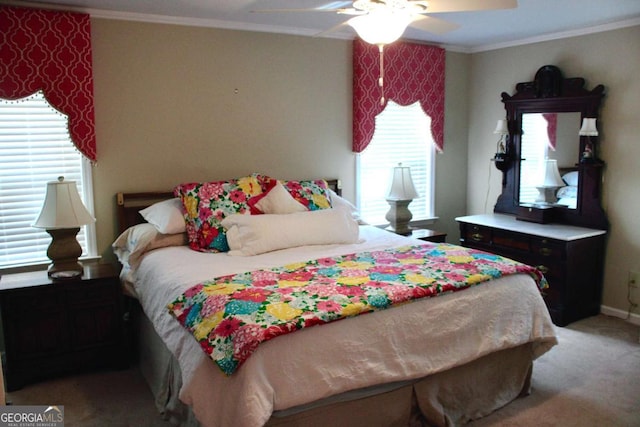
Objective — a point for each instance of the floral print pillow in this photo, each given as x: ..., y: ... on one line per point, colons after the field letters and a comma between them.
x: 313, y: 194
x: 207, y: 204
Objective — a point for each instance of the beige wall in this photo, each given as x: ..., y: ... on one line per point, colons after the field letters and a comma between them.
x: 610, y: 58
x: 178, y: 103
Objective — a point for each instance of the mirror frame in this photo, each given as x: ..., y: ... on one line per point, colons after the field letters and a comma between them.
x: 549, y: 92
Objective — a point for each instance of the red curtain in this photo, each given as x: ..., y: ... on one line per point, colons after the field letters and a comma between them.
x: 50, y: 51
x: 552, y: 128
x: 413, y: 72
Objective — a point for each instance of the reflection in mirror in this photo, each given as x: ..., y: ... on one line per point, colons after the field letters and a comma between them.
x: 549, y: 136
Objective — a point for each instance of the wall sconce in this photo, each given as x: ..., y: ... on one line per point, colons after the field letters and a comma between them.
x: 550, y: 181
x: 588, y: 129
x: 401, y: 193
x: 62, y: 216
x: 501, y: 158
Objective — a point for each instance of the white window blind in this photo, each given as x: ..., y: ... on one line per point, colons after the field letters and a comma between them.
x: 402, y: 135
x: 35, y: 148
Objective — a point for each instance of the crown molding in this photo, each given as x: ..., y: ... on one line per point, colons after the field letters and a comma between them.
x: 240, y: 26
x: 559, y: 35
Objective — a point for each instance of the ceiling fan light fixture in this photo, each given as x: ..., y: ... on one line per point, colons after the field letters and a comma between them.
x: 381, y: 27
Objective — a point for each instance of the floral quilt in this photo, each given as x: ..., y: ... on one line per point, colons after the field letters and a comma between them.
x: 231, y: 315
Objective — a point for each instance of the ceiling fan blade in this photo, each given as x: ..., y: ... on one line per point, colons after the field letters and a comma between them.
x: 433, y: 25
x: 332, y: 29
x: 440, y: 6
x: 295, y: 10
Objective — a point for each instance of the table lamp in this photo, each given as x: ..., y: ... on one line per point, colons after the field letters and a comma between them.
x: 550, y: 181
x: 401, y: 193
x: 62, y: 216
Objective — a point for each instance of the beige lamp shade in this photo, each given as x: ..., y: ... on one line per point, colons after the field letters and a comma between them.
x: 501, y: 128
x: 402, y: 187
x: 588, y: 127
x: 63, y: 207
x: 551, y: 175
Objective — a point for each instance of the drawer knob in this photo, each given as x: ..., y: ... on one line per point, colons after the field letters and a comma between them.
x: 477, y: 237
x: 545, y: 251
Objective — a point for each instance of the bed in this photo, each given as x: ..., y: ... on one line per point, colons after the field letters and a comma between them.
x: 434, y: 361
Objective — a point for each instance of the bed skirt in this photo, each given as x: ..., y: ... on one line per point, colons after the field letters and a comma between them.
x: 448, y: 398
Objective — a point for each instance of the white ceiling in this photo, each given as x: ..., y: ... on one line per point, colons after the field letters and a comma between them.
x: 532, y: 20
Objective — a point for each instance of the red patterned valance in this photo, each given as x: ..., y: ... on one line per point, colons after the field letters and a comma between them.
x: 50, y: 51
x: 412, y: 72
x: 552, y: 128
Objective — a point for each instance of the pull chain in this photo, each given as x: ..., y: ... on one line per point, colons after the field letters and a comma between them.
x: 381, y: 79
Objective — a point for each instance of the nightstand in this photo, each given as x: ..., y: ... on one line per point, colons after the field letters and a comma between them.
x: 428, y: 235
x: 53, y: 328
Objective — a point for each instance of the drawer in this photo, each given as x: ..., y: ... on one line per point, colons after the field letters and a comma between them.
x: 104, y: 291
x: 511, y: 241
x: 44, y: 300
x: 548, y: 248
x: 477, y: 234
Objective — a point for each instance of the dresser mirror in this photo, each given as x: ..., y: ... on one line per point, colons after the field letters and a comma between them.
x: 549, y: 136
x: 544, y: 117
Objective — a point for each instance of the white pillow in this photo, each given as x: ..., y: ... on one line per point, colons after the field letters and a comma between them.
x: 568, y: 191
x: 279, y: 201
x: 166, y: 216
x: 255, y: 234
x: 135, y: 241
x: 571, y: 178
x: 339, y: 202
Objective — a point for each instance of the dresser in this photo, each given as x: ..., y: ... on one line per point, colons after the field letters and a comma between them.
x: 570, y: 257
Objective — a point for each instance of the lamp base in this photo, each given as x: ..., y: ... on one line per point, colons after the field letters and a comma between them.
x: 399, y: 217
x: 547, y: 195
x: 64, y: 252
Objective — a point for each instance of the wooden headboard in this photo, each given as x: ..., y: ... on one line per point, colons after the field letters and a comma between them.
x: 128, y: 205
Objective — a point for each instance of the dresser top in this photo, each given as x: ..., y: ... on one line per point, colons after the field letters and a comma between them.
x: 551, y: 231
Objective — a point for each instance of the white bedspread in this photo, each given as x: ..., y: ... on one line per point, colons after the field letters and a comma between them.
x: 405, y: 342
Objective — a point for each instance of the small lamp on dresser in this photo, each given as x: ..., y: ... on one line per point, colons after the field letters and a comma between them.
x: 62, y: 216
x: 401, y: 193
x: 550, y: 181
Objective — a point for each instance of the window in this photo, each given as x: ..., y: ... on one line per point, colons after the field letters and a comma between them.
x: 35, y: 148
x: 402, y: 135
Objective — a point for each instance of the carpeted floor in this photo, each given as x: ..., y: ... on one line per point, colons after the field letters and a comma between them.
x: 102, y: 399
x: 592, y: 378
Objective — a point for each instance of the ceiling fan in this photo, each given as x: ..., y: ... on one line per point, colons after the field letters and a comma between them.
x: 380, y: 22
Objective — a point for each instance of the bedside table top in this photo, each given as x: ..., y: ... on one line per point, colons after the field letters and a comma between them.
x: 41, y: 278
x: 422, y: 233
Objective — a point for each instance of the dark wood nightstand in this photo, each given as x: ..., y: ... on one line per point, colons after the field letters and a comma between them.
x: 52, y: 328
x: 428, y: 235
